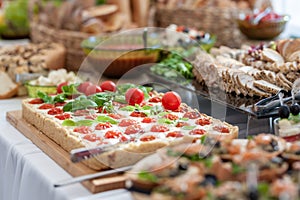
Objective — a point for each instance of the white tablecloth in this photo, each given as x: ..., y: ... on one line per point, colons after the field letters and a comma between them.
x: 26, y: 173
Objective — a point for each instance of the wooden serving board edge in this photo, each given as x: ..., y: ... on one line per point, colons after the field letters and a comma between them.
x: 62, y: 157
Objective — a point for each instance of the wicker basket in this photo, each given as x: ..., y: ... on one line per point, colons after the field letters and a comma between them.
x: 215, y: 20
x: 70, y: 39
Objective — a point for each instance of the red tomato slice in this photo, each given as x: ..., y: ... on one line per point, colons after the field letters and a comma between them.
x: 91, y: 116
x: 147, y: 138
x: 55, y: 111
x: 112, y: 134
x: 203, y: 121
x: 171, y: 116
x: 46, y: 106
x: 148, y: 120
x: 134, y: 96
x: 175, y: 134
x: 36, y: 101
x: 115, y: 116
x: 138, y: 114
x: 155, y: 99
x: 83, y: 86
x: 159, y: 128
x: 102, y: 110
x: 102, y: 126
x: 83, y: 130
x: 59, y: 87
x: 63, y: 116
x: 123, y: 138
x: 108, y: 86
x: 127, y: 122
x: 81, y: 112
x: 58, y: 104
x: 171, y: 101
x: 191, y: 115
x: 198, y: 132
x: 181, y: 124
x: 132, y: 129
x: 92, y: 137
x: 221, y: 129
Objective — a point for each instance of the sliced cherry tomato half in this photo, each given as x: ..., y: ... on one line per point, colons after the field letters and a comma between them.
x: 55, y: 111
x: 46, y: 106
x: 191, y: 115
x: 36, y: 101
x: 81, y: 112
x: 155, y: 99
x: 221, y: 129
x: 181, y: 124
x: 203, y: 121
x: 108, y: 86
x: 148, y: 120
x: 171, y: 100
x: 198, y: 131
x: 127, y: 122
x: 138, y: 114
x: 92, y: 137
x: 175, y: 134
x: 171, y: 116
x: 102, y: 126
x: 63, y: 116
x: 83, y: 129
x: 115, y: 116
x: 159, y: 128
x: 58, y: 104
x: 134, y: 96
x: 112, y: 134
x: 147, y: 138
x: 133, y: 129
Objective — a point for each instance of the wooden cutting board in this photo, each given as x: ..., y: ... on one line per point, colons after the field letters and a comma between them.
x: 62, y: 157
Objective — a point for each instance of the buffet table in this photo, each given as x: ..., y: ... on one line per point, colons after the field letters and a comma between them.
x: 28, y: 173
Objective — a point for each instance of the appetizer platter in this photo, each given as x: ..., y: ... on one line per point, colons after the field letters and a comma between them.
x: 262, y: 167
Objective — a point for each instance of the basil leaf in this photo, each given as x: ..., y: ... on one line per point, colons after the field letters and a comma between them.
x: 165, y: 121
x: 184, y: 119
x: 103, y: 118
x: 188, y: 127
x: 163, y: 114
x: 202, y: 139
x: 84, y: 122
x: 147, y: 176
x: 146, y: 107
x: 45, y: 97
x: 79, y: 104
x: 59, y: 98
x: 157, y: 110
x: 124, y: 87
x: 128, y: 108
x: 70, y: 89
x: 68, y: 122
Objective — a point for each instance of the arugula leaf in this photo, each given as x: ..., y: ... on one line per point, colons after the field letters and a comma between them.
x: 103, y: 118
x: 68, y: 122
x: 147, y: 176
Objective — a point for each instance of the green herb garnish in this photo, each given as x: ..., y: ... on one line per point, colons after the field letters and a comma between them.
x: 236, y: 169
x: 104, y: 118
x: 51, y: 99
x: 147, y: 176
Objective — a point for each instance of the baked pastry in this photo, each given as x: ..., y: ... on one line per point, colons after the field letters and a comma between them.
x: 106, y: 119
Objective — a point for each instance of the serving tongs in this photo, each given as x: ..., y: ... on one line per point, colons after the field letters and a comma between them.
x: 270, y: 103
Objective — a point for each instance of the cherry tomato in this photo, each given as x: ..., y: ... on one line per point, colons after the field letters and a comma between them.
x: 55, y: 111
x: 155, y: 100
x: 203, y: 121
x: 221, y: 129
x: 181, y: 124
x: 91, y: 137
x: 59, y: 87
x: 46, y: 106
x: 159, y: 128
x: 63, y: 116
x: 102, y: 126
x: 134, y: 96
x: 102, y: 110
x: 171, y: 116
x: 36, y: 101
x: 198, y: 131
x: 132, y: 129
x: 92, y: 89
x: 127, y: 122
x: 138, y: 114
x: 147, y: 138
x: 171, y: 101
x: 108, y: 86
x: 148, y: 120
x: 83, y: 130
x: 175, y: 134
x: 191, y: 115
x: 112, y: 134
x: 83, y: 86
